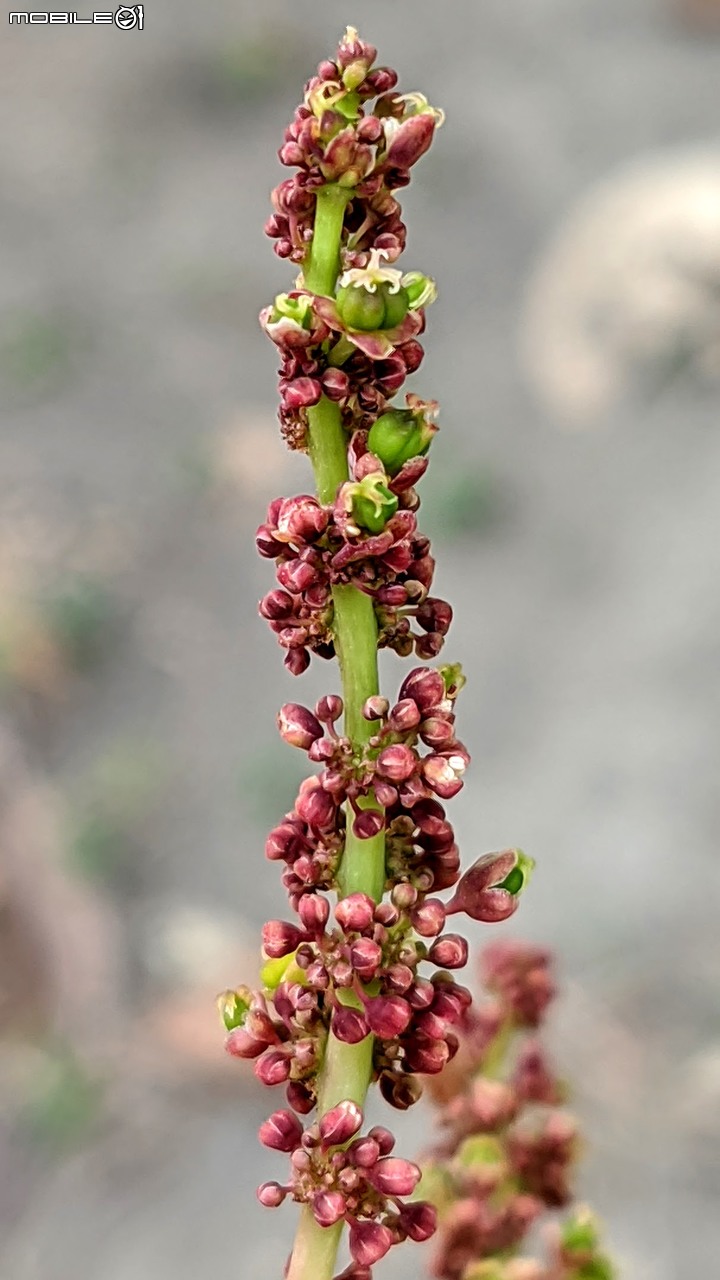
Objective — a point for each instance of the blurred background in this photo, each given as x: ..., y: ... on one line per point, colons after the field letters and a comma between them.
x: 570, y: 211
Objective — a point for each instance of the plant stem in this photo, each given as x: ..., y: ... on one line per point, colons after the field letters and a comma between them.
x: 347, y: 1069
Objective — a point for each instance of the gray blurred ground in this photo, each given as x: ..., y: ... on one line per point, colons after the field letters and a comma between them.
x: 137, y: 454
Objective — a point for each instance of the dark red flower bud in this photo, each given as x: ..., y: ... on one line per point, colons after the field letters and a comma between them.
x: 386, y: 914
x: 437, y: 732
x: 428, y: 918
x: 396, y: 762
x: 387, y: 1016
x: 427, y: 1057
x: 297, y: 661
x: 410, y: 140
x: 314, y: 912
x: 366, y: 958
x: 328, y: 1207
x: 240, y: 1044
x: 300, y: 1097
x: 405, y: 716
x: 385, y: 794
x: 393, y: 1176
x: 375, y: 708
x: 335, y: 384
x: 301, y: 393
x: 490, y: 889
x: 449, y: 952
x: 364, y: 1152
x: 315, y: 805
x: 340, y: 1124
x: 349, y: 1024
x: 384, y: 1139
x: 402, y: 1092
x: 298, y: 726
x: 329, y: 708
x: 276, y: 605
x: 280, y: 938
x: 273, y: 1067
x: 398, y: 979
x: 425, y: 686
x: 368, y: 823
x: 369, y: 1242
x: 271, y: 1194
x: 419, y: 1220
x: 404, y: 896
x: 301, y: 519
x: 282, y: 1131
x: 355, y: 913
x: 266, y: 545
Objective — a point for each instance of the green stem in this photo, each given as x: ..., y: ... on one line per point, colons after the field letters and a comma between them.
x: 347, y: 1069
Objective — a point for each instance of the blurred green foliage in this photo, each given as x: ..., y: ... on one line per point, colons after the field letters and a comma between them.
x: 63, y: 1100
x: 79, y: 613
x: 104, y: 839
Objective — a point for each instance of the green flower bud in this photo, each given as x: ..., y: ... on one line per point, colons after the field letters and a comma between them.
x: 455, y: 680
x: 370, y: 502
x: 283, y: 970
x: 518, y: 878
x: 297, y: 309
x: 480, y: 1149
x: 233, y: 1007
x: 384, y: 307
x: 420, y: 290
x: 399, y: 435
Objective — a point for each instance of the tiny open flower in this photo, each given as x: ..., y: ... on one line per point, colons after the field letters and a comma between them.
x: 444, y: 773
x: 340, y: 1124
x: 369, y: 1242
x: 368, y: 502
x: 490, y: 890
x: 233, y: 1007
x: 282, y: 1131
x: 298, y: 726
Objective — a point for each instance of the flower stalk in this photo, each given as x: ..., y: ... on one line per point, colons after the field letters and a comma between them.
x: 358, y: 988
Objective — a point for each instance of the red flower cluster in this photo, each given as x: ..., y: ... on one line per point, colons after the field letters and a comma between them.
x: 368, y: 539
x: 374, y: 972
x: 347, y: 1178
x: 506, y: 1151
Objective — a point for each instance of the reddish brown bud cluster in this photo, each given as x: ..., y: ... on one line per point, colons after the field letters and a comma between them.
x: 506, y: 1152
x: 378, y: 972
x: 353, y: 1179
x: 317, y: 548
